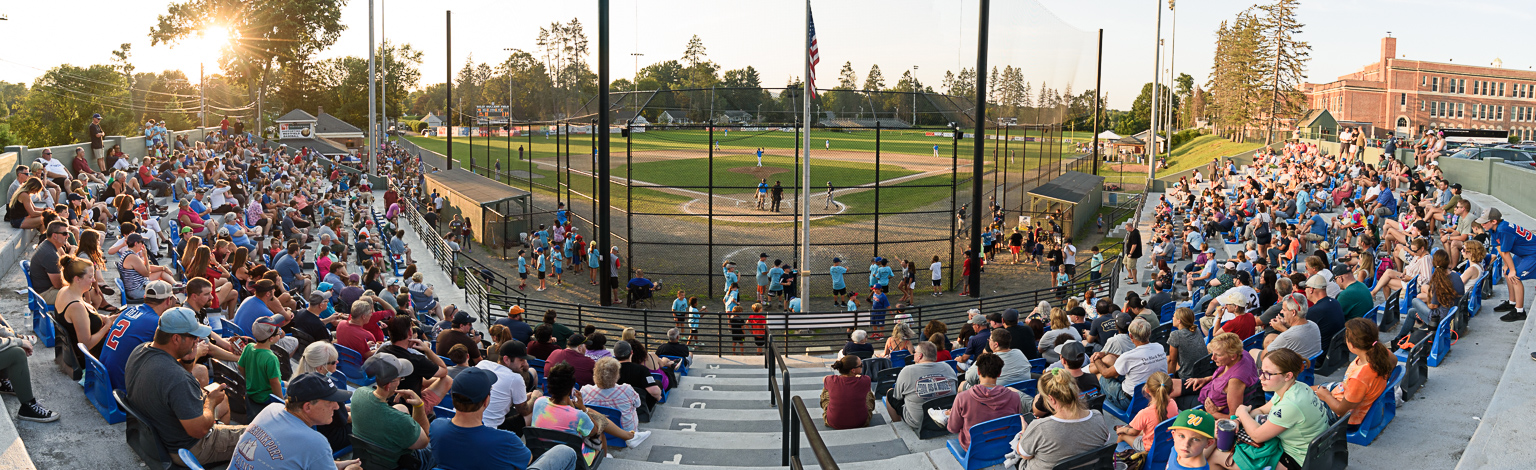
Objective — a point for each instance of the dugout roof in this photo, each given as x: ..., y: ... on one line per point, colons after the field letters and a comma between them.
x: 1071, y: 187
x: 479, y: 189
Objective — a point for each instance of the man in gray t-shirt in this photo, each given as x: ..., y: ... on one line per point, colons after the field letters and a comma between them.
x: 1297, y: 333
x: 1016, y: 367
x: 918, y: 383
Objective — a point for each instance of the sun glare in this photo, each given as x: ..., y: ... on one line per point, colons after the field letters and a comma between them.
x: 204, y: 47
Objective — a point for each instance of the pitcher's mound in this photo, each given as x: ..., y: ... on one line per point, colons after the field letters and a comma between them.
x: 760, y: 172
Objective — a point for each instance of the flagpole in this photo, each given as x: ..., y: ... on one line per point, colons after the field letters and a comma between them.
x: 805, y: 180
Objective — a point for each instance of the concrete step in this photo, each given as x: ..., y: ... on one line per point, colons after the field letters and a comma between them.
x: 745, y: 383
x: 918, y: 461
x: 760, y: 449
x: 744, y: 426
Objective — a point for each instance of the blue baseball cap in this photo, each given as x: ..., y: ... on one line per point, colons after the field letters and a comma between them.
x: 182, y: 321
x: 473, y: 383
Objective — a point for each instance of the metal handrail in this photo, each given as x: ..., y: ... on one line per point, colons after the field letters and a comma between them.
x: 812, y: 436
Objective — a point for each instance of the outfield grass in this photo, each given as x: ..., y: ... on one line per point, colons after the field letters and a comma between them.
x: 773, y: 143
x: 694, y: 172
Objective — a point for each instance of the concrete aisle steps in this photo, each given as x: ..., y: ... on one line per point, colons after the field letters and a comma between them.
x: 720, y: 416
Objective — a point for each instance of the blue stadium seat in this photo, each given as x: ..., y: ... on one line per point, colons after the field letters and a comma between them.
x: 444, y: 412
x: 681, y: 365
x: 350, y: 364
x: 98, y: 388
x: 1138, y: 401
x: 189, y: 459
x: 1038, y: 365
x: 1167, y: 313
x: 1441, y: 346
x: 664, y: 391
x: 1308, y: 374
x: 1381, y: 413
x: 901, y: 358
x: 1029, y: 387
x: 616, y: 417
x: 990, y: 443
x: 1254, y: 342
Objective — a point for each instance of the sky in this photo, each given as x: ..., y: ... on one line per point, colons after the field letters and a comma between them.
x: 1052, y: 40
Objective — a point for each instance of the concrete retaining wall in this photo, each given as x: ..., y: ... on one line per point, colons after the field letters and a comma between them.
x: 134, y: 147
x: 1509, y: 183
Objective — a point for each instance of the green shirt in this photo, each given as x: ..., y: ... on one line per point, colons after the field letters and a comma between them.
x: 260, y: 367
x: 1301, y: 413
x: 1356, y: 300
x: 376, y: 421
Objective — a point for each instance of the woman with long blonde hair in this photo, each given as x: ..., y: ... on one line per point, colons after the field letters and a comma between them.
x: 1059, y: 412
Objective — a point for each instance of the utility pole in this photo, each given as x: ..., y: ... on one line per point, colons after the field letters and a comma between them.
x: 202, y: 95
x: 979, y: 147
x: 1173, y: 40
x: 383, y: 87
x: 448, y: 88
x: 1274, y: 98
x: 1157, y: 75
x: 915, y: 91
x: 1098, y: 83
x: 604, y: 229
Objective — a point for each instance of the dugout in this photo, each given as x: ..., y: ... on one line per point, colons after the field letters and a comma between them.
x: 496, y: 212
x: 1075, y: 193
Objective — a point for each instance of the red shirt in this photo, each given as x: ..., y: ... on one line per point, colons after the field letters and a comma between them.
x: 581, y: 362
x: 847, y: 401
x: 759, y: 324
x: 373, y: 323
x: 355, y: 337
x: 1242, y: 325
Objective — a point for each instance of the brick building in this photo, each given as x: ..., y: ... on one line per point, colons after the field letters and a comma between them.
x: 1410, y: 96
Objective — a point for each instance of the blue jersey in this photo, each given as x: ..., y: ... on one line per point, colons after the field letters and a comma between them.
x: 680, y: 305
x: 883, y: 276
x: 836, y: 273
x: 762, y: 188
x: 133, y: 327
x: 731, y: 278
x: 522, y: 265
x: 1514, y: 239
x: 775, y: 275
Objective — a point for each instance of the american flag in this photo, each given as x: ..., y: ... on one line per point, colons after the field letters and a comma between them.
x: 814, y: 57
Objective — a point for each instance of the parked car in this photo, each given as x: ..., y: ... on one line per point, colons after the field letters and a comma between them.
x: 1511, y: 156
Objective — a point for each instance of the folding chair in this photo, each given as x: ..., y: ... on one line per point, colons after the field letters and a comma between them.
x: 1330, y: 450
x: 142, y: 437
x: 615, y: 416
x: 540, y: 440
x: 350, y: 364
x: 1336, y: 356
x: 931, y: 429
x: 1101, y: 458
x: 885, y: 380
x: 1441, y: 346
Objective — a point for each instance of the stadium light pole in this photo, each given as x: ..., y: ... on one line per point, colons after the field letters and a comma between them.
x: 1157, y: 75
x: 978, y: 147
x: 373, y: 118
x: 448, y: 86
x: 605, y: 290
x: 915, y: 90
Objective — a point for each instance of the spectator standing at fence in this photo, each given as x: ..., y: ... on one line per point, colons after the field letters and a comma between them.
x: 839, y: 287
x: 97, y: 146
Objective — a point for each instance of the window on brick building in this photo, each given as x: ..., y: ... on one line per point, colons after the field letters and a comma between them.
x: 1402, y: 99
x: 1461, y: 86
x: 1501, y: 113
x: 1501, y: 88
x: 1459, y: 108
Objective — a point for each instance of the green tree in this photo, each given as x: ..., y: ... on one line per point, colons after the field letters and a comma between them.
x: 267, y: 35
x: 874, y: 80
x: 1283, y: 65
x: 1139, y: 119
x: 61, y: 101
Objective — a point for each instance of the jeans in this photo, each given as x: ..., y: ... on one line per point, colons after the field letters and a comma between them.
x: 1113, y: 394
x: 556, y: 458
x: 1417, y: 310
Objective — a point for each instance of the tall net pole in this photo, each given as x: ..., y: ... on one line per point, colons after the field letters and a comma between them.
x: 979, y: 148
x: 805, y: 169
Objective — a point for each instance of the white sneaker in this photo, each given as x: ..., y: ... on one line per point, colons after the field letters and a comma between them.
x: 639, y: 437
x: 938, y: 416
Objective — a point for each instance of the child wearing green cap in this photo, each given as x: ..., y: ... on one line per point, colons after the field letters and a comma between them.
x: 1193, y: 434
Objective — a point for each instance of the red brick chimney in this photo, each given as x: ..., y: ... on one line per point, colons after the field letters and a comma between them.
x: 1388, y: 52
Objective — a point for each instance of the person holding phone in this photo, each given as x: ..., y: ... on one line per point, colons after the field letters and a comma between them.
x: 170, y: 399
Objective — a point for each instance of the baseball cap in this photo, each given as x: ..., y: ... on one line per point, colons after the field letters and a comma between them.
x: 1199, y: 421
x: 837, y: 260
x: 515, y: 310
x: 386, y: 367
x: 75, y: 197
x: 319, y: 297
x: 1491, y: 214
x: 311, y: 386
x: 264, y: 328
x: 1233, y: 297
x: 96, y: 116
x: 978, y: 320
x: 473, y: 383
x: 157, y: 290
x: 762, y: 255
x: 516, y: 349
x: 575, y: 340
x: 1317, y: 281
x: 1230, y: 265
x: 1011, y: 316
x: 462, y: 318
x: 1456, y: 186
x: 183, y: 321
x: 1123, y: 321
x: 1073, y: 352
x: 392, y: 282
x: 1340, y: 270
x: 622, y: 349
x: 324, y: 287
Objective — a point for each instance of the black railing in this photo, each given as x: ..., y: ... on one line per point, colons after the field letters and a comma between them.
x: 792, y: 415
